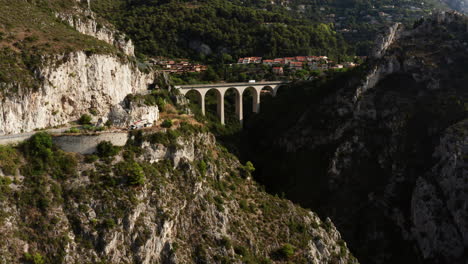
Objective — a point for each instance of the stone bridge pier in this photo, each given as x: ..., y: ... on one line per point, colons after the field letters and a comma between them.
x: 239, y: 88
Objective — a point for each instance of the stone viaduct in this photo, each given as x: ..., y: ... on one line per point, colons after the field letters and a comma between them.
x: 239, y: 88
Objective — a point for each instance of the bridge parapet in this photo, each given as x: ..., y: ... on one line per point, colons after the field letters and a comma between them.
x: 224, y: 85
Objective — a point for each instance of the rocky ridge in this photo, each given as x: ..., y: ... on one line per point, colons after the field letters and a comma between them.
x: 196, y: 205
x: 389, y: 148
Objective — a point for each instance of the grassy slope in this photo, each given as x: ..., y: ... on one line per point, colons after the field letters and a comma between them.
x: 30, y: 30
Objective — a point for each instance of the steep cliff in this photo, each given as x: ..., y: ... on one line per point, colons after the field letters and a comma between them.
x: 380, y: 154
x: 51, y: 74
x: 86, y: 22
x: 76, y: 85
x: 174, y: 197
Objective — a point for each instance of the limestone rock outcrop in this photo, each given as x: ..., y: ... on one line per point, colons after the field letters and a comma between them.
x: 72, y: 84
x: 121, y: 116
x: 86, y: 22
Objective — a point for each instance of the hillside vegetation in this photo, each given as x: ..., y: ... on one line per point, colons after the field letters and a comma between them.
x: 30, y: 30
x: 198, y: 29
x: 194, y: 204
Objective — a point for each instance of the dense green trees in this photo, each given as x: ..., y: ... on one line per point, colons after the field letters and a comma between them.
x: 205, y: 30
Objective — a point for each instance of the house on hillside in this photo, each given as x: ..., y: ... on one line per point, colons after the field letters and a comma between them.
x: 288, y: 60
x: 301, y: 58
x: 278, y: 70
x: 268, y: 62
x: 279, y: 61
x: 248, y: 60
x: 296, y: 65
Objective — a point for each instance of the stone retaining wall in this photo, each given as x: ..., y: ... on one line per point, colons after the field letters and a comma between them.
x: 86, y: 144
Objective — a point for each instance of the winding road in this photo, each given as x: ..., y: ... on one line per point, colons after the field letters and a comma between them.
x: 17, y: 138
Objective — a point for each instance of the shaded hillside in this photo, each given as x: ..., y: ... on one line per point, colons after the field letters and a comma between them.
x: 384, y: 155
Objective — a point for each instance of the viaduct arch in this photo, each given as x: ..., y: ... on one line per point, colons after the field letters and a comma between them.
x: 240, y: 88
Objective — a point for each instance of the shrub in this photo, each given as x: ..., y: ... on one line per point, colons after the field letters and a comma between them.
x: 243, y: 205
x: 39, y: 145
x: 161, y: 103
x: 93, y: 111
x: 34, y: 259
x: 226, y: 242
x: 167, y: 123
x: 85, y: 119
x: 219, y: 202
x: 249, y: 167
x: 9, y: 160
x: 105, y: 149
x: 202, y: 167
x: 240, y: 250
x: 108, y: 223
x: 285, y: 252
x: 90, y: 158
x: 131, y: 171
x: 73, y: 130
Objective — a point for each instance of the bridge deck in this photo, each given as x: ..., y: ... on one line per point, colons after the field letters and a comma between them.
x: 218, y: 85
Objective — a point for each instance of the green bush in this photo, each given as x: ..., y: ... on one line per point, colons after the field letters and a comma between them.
x: 249, y: 167
x: 161, y: 103
x: 90, y: 158
x: 5, y: 181
x: 285, y: 252
x: 34, y: 258
x: 85, y: 119
x: 73, y: 130
x: 167, y: 123
x: 93, y: 111
x: 202, y: 167
x: 105, y: 149
x: 9, y: 160
x: 131, y: 171
x: 39, y: 146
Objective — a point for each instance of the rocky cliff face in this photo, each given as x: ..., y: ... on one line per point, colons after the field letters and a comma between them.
x: 76, y: 85
x: 196, y: 204
x: 385, y: 155
x: 438, y: 203
x: 86, y: 22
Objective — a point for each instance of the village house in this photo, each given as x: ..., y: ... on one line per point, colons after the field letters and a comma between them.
x: 296, y: 65
x: 248, y: 60
x: 279, y: 61
x: 313, y: 65
x: 288, y: 60
x: 301, y: 58
x: 278, y: 70
x: 268, y: 62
